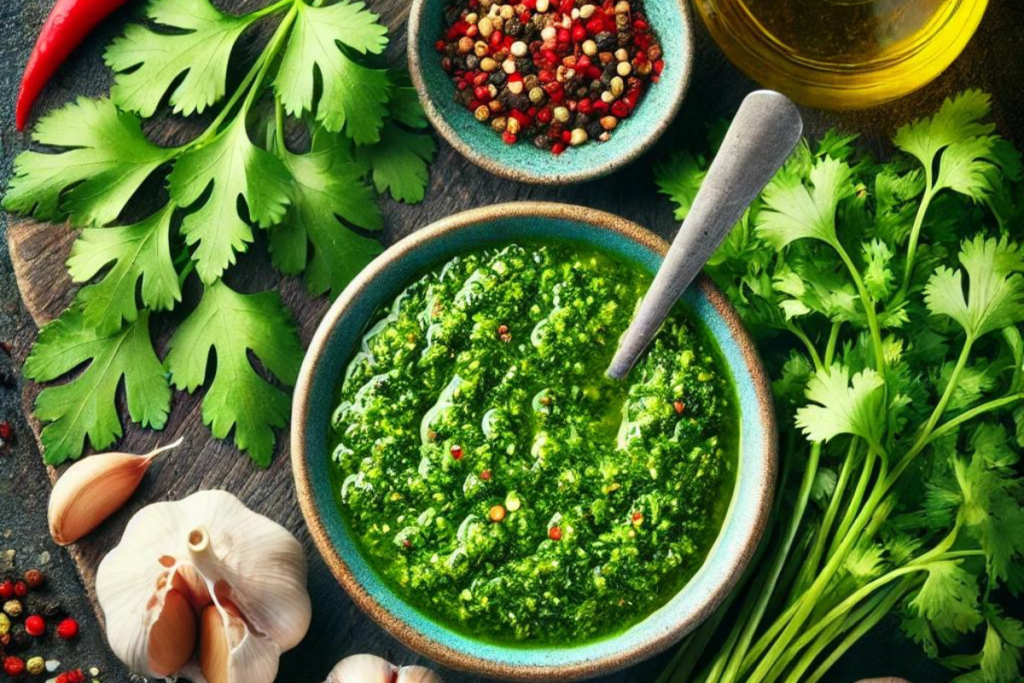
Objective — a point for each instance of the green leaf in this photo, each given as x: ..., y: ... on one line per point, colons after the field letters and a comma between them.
x: 679, y: 178
x: 948, y: 599
x: 796, y: 210
x: 990, y: 511
x: 327, y: 185
x: 878, y: 275
x: 85, y: 407
x: 103, y: 160
x: 839, y: 406
x: 1001, y: 654
x: 197, y: 46
x: 235, y: 168
x: 133, y: 252
x: 399, y: 163
x: 354, y: 97
x: 996, y: 296
x: 958, y: 119
x: 231, y: 325
x: 405, y: 108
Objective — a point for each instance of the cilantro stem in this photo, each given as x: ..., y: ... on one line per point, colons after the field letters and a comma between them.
x: 273, y: 8
x: 833, y: 341
x: 802, y: 336
x: 269, y: 55
x: 855, y: 502
x: 869, y: 307
x: 947, y: 394
x: 915, y: 232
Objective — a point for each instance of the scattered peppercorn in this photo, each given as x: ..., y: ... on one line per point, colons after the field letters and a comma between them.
x: 20, y: 639
x: 52, y: 609
x: 67, y: 629
x: 7, y: 589
x: 5, y: 624
x: 34, y: 578
x: 20, y: 589
x: 559, y: 72
x: 35, y: 665
x: 555, y: 533
x: 73, y: 676
x: 35, y: 625
x: 14, y: 666
x: 12, y: 608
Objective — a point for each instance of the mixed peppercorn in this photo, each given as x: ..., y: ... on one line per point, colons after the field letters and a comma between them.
x: 556, y: 72
x: 23, y: 625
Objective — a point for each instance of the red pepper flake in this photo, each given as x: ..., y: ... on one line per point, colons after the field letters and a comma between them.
x: 486, y: 475
x: 20, y: 589
x: 456, y: 452
x: 638, y: 518
x: 555, y: 533
x: 680, y: 407
x: 406, y: 543
x: 67, y: 629
x: 35, y: 625
x: 14, y: 666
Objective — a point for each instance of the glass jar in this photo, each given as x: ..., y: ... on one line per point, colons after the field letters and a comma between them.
x: 842, y: 54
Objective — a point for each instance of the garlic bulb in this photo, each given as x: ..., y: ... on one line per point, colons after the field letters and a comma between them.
x: 93, y: 489
x: 371, y: 669
x: 206, y: 588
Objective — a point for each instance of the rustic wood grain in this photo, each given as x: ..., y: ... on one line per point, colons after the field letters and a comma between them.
x: 39, y: 250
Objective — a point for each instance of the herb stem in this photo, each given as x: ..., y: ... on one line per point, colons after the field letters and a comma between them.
x: 811, y: 351
x: 915, y: 233
x: 947, y: 394
x: 869, y: 307
x: 855, y: 502
x: 269, y: 55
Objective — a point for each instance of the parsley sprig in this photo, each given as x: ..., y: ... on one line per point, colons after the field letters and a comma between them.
x: 888, y: 299
x: 235, y: 178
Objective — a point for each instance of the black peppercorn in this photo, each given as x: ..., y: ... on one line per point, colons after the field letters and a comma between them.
x: 20, y: 639
x: 52, y: 609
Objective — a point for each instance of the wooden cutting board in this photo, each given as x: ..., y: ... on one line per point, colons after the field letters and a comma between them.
x: 38, y: 251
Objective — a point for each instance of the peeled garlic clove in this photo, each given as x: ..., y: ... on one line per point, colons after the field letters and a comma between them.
x: 362, y: 669
x: 417, y: 674
x: 93, y: 489
x: 172, y: 639
x: 243, y: 573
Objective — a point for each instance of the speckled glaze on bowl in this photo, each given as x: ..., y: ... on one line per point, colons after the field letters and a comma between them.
x: 339, y: 335
x: 476, y: 141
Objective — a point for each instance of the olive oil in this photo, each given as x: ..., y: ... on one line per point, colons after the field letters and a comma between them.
x: 842, y: 54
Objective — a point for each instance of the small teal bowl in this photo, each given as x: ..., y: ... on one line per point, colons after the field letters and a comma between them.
x: 523, y: 162
x: 337, y: 339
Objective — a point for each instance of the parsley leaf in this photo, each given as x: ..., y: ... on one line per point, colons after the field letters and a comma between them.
x: 327, y: 185
x: 354, y: 97
x: 85, y: 407
x: 104, y: 160
x: 399, y: 163
x: 148, y: 63
x: 996, y: 296
x: 231, y: 325
x: 137, y: 252
x: 235, y: 167
x: 839, y: 406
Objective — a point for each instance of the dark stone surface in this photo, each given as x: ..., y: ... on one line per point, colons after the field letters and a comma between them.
x: 992, y: 62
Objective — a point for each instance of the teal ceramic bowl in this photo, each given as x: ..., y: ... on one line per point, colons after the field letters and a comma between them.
x: 339, y: 336
x: 523, y: 162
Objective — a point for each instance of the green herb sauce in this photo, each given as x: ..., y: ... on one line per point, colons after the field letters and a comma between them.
x: 497, y: 478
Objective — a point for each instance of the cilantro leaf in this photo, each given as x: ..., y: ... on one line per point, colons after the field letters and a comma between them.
x: 948, y: 599
x: 680, y: 177
x: 104, y: 160
x: 354, y: 97
x: 996, y: 296
x: 235, y: 167
x: 1001, y: 653
x: 85, y: 407
x: 959, y: 119
x: 231, y: 325
x: 839, y: 406
x: 137, y: 252
x: 404, y: 107
x: 878, y: 275
x: 399, y: 163
x: 794, y: 210
x: 990, y: 511
x: 148, y: 63
x: 327, y: 185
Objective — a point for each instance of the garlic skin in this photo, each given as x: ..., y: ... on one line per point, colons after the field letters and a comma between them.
x: 94, y: 488
x: 244, y: 578
x: 371, y: 669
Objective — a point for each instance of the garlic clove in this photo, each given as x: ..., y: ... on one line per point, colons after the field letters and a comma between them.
x: 362, y: 669
x: 94, y: 488
x: 214, y: 650
x: 172, y: 638
x: 230, y: 653
x: 417, y: 674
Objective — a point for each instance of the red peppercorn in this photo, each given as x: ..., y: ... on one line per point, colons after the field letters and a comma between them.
x: 67, y: 629
x: 509, y: 138
x: 7, y: 589
x: 555, y: 533
x: 20, y: 589
x: 73, y: 676
x: 557, y: 148
x: 456, y: 451
x: 5, y: 430
x: 35, y: 625
x: 34, y: 578
x: 14, y: 666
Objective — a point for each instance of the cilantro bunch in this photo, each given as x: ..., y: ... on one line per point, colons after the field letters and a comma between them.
x: 887, y: 299
x: 237, y: 177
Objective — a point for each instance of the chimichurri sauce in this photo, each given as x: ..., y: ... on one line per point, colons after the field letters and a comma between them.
x: 496, y: 477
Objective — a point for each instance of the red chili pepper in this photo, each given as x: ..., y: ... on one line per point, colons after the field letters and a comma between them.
x: 69, y: 23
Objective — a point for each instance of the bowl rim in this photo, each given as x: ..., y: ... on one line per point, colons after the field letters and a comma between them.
x: 642, y: 144
x: 432, y: 648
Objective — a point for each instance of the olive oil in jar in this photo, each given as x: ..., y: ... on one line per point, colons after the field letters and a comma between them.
x: 842, y: 54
